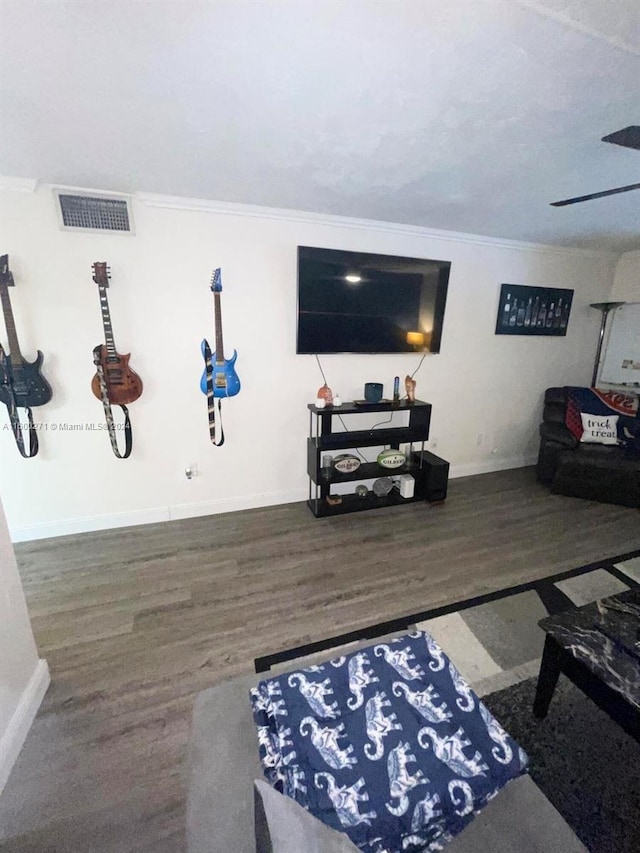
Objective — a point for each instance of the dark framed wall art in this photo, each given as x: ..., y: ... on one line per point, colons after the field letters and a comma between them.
x: 533, y: 310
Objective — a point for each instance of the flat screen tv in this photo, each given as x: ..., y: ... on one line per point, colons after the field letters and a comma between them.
x: 366, y: 303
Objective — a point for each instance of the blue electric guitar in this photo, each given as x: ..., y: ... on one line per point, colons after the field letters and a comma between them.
x: 222, y: 371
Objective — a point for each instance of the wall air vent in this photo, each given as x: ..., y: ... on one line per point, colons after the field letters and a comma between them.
x: 94, y: 212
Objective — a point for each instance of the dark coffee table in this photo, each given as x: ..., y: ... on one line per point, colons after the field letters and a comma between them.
x: 598, y: 648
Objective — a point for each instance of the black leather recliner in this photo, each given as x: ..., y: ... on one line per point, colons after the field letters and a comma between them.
x: 597, y: 472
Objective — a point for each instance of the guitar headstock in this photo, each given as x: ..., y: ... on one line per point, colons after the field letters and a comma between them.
x: 216, y: 281
x: 6, y: 276
x: 101, y: 273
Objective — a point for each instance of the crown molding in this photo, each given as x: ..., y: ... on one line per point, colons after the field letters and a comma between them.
x: 91, y: 191
x: 226, y: 208
x: 20, y: 185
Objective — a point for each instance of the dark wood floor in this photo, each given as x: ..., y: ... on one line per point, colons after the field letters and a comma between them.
x: 134, y: 623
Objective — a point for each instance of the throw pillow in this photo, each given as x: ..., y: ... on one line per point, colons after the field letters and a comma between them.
x: 599, y: 429
x: 283, y: 826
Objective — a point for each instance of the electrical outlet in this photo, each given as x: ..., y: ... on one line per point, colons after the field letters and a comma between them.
x: 191, y: 471
x: 480, y: 438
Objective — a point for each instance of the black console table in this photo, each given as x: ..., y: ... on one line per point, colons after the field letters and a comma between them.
x: 322, y: 439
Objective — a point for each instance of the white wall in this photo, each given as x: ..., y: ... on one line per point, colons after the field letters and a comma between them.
x: 480, y: 384
x: 626, y: 283
x: 23, y: 678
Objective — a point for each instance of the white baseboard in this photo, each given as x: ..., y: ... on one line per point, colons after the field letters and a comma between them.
x: 12, y: 740
x: 487, y: 466
x: 69, y: 526
x: 236, y: 504
x: 24, y: 533
x: 84, y: 524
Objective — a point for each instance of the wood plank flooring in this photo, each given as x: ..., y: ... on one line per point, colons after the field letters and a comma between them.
x: 135, y: 622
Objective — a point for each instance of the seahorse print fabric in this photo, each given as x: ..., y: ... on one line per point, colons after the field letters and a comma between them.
x: 389, y: 745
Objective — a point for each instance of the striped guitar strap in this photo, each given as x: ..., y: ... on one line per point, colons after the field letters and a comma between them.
x: 108, y: 413
x: 211, y: 401
x: 14, y: 418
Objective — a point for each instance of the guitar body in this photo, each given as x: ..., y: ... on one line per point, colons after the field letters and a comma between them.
x: 124, y: 386
x: 26, y: 381
x: 226, y: 382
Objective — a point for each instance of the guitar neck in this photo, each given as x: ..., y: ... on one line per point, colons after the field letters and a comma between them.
x: 106, y: 321
x: 12, y: 335
x: 218, y: 317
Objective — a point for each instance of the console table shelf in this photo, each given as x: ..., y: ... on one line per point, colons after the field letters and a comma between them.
x: 353, y: 503
x: 322, y: 438
x: 366, y: 471
x: 369, y: 438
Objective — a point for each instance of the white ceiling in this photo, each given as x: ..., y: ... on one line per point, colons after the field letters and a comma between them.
x: 466, y: 115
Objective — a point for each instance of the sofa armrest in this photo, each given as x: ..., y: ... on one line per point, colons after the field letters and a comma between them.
x: 555, y: 440
x: 558, y: 434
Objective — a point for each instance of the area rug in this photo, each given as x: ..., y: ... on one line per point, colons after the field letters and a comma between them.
x: 494, y: 639
x: 498, y: 644
x: 586, y: 765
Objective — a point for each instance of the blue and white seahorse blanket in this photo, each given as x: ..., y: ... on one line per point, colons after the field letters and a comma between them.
x: 389, y: 745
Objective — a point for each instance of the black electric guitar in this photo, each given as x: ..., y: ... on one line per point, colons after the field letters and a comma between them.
x: 22, y: 384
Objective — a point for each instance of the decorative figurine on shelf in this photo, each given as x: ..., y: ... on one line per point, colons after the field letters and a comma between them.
x: 410, y: 388
x: 337, y: 400
x: 327, y: 464
x: 382, y: 486
x: 396, y: 389
x: 362, y: 491
x: 325, y: 393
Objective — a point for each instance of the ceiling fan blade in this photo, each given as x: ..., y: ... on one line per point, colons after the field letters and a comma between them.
x: 602, y: 194
x: 628, y: 137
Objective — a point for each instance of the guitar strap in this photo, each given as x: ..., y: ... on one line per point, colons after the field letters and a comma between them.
x: 14, y: 418
x: 211, y: 401
x: 108, y: 413
x: 34, y: 445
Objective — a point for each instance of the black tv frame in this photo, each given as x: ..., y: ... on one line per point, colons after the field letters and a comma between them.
x: 354, y: 259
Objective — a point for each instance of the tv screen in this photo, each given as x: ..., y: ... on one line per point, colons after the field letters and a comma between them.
x: 361, y: 302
